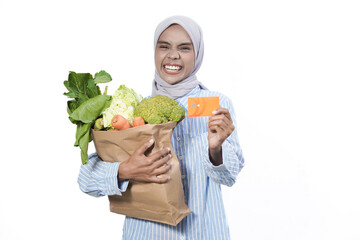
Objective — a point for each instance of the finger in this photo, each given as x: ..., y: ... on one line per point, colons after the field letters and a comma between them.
x: 224, y: 124
x: 142, y: 149
x: 220, y: 119
x: 161, y: 161
x: 224, y: 111
x: 160, y: 179
x: 221, y: 116
x: 219, y: 130
x: 222, y: 128
x: 161, y: 170
x: 161, y: 153
x: 229, y: 126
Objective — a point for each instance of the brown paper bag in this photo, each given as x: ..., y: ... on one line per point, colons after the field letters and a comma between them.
x: 163, y: 203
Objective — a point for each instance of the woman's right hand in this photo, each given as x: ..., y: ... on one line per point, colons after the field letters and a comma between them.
x: 146, y: 169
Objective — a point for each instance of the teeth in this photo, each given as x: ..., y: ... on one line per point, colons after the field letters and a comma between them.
x: 172, y: 68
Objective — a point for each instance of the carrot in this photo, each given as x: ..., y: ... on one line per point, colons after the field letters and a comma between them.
x: 119, y: 122
x: 138, y: 121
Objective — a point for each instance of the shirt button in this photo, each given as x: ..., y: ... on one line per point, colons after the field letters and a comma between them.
x: 180, y: 157
x: 178, y: 139
x: 183, y: 176
x: 182, y: 237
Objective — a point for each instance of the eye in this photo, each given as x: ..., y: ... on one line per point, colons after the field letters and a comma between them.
x: 163, y: 47
x: 185, y: 48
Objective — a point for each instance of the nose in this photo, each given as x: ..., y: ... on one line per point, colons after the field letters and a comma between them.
x: 174, y: 54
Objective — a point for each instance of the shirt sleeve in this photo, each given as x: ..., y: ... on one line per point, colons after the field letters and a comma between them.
x: 99, y: 178
x: 233, y: 160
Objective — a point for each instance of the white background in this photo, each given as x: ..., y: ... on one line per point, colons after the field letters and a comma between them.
x: 290, y: 67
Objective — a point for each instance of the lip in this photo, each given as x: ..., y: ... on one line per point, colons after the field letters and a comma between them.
x: 170, y: 72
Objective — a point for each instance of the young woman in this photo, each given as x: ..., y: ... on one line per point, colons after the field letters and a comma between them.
x: 207, y: 148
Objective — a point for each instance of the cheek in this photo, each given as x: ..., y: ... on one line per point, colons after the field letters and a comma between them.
x: 158, y: 60
x: 190, y: 61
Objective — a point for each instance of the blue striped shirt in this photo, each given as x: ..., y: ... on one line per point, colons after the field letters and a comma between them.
x: 200, y: 178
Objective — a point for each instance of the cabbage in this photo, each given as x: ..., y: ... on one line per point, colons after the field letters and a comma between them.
x: 124, y: 101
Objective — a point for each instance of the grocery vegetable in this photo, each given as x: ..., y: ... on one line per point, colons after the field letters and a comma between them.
x: 86, y: 106
x: 99, y: 124
x: 124, y: 100
x: 138, y: 121
x: 120, y: 123
x: 91, y: 109
x: 159, y: 109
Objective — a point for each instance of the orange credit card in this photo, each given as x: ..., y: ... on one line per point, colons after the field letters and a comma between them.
x: 202, y: 106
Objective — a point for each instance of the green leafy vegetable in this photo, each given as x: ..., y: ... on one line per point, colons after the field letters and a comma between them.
x: 84, y: 142
x: 102, y: 77
x: 91, y: 109
x: 86, y: 106
x: 77, y: 84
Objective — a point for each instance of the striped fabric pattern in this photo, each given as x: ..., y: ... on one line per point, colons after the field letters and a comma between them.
x: 201, y: 180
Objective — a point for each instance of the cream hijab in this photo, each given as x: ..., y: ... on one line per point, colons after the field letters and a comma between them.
x: 161, y: 87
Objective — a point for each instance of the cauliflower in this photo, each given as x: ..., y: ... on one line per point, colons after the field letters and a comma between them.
x: 159, y: 109
x: 124, y: 100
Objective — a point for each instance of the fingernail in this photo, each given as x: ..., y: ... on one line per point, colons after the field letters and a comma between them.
x: 168, y: 149
x: 170, y: 156
x: 151, y: 141
x: 214, y: 112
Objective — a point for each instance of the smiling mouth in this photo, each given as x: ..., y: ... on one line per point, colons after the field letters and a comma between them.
x: 172, y: 69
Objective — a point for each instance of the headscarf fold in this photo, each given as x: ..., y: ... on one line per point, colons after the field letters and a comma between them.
x: 161, y: 87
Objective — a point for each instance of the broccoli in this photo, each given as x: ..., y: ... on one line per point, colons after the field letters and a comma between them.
x: 159, y: 109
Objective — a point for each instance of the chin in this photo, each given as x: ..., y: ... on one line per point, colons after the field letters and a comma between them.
x: 172, y: 81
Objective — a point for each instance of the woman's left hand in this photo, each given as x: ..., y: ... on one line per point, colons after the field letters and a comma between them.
x: 220, y: 127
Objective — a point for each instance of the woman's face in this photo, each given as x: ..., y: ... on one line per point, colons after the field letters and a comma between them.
x: 174, y: 54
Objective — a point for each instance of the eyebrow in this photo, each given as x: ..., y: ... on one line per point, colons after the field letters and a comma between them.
x: 182, y: 44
